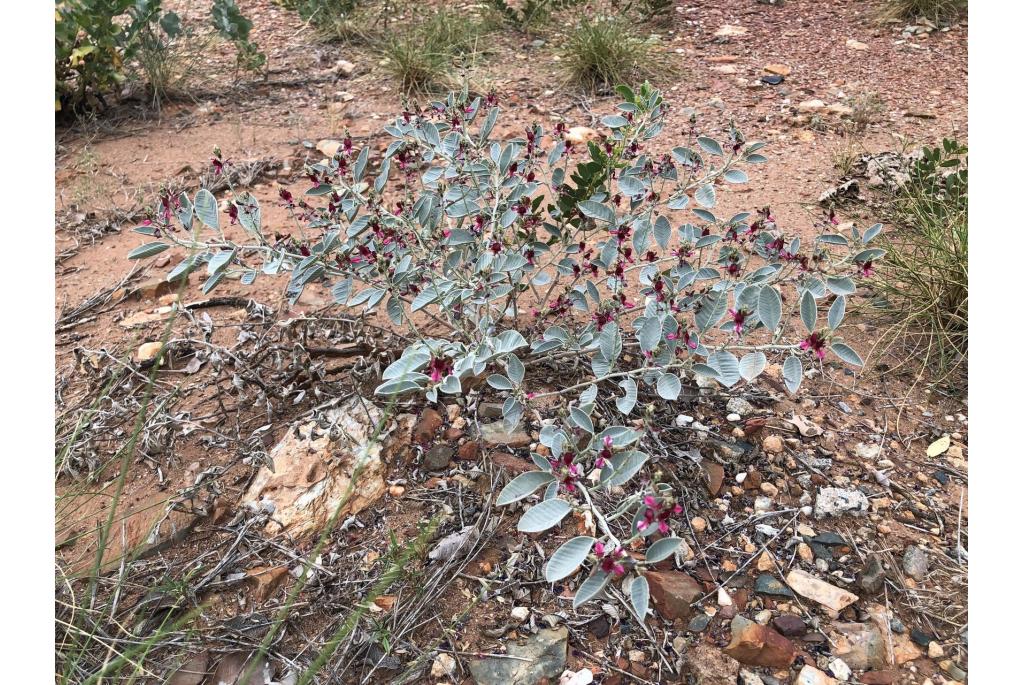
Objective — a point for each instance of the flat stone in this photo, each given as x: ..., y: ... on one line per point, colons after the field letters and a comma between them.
x: 495, y: 435
x: 778, y: 69
x: 873, y: 577
x: 313, y: 469
x: 426, y: 426
x: 438, y: 457
x: 716, y: 476
x: 757, y: 645
x: 878, y: 677
x: 673, y: 592
x: 738, y: 405
x: 857, y: 45
x: 768, y: 584
x: 772, y: 444
x: 809, y: 675
x: 705, y: 664
x: 543, y: 657
x: 730, y: 31
x: 806, y: 585
x: 915, y: 562
x: 840, y: 501
x: 698, y: 623
x: 861, y: 645
x: 789, y: 625
x: 811, y: 106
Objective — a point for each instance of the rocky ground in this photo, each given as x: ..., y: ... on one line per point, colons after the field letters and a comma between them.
x: 826, y: 534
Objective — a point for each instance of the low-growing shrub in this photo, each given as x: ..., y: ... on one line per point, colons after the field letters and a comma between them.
x: 589, y: 281
x: 599, y: 53
x: 97, y: 44
x: 923, y: 283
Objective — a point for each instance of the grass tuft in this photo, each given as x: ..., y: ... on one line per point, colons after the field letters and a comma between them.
x: 937, y: 11
x: 422, y: 57
x: 923, y: 278
x: 601, y: 53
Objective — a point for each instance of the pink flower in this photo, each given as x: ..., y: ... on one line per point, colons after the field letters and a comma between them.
x: 739, y: 316
x: 866, y: 270
x: 658, y: 511
x: 814, y: 342
x: 439, y: 367
x: 610, y: 559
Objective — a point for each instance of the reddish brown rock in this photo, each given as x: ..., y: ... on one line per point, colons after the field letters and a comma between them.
x: 758, y: 645
x: 789, y: 625
x: 513, y: 464
x: 716, y: 476
x: 427, y: 426
x: 673, y: 592
x: 469, y: 451
x: 879, y: 678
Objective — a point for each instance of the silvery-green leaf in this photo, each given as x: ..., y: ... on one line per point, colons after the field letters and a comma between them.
x: 710, y: 145
x: 544, y: 515
x: 206, y: 208
x: 662, y: 549
x: 705, y: 370
x: 712, y: 309
x: 735, y: 176
x: 508, y: 341
x: 515, y: 368
x: 769, y: 307
x: 567, y: 558
x: 590, y: 588
x: 621, y: 435
x: 341, y: 290
x: 870, y: 234
x: 847, y: 354
x: 752, y: 364
x: 523, y: 486
x: 833, y: 239
x: 580, y: 418
x: 396, y: 387
x: 649, y: 333
x: 727, y: 366
x: 662, y: 232
x: 630, y: 185
x: 626, y: 404
x: 841, y: 286
x: 625, y: 466
x: 596, y: 210
x: 587, y: 398
x: 669, y: 386
x: 705, y: 196
x: 836, y: 312
x: 808, y: 310
x: 451, y: 385
x: 793, y: 373
x: 640, y: 596
x: 512, y: 411
x: 148, y: 250
x: 499, y: 382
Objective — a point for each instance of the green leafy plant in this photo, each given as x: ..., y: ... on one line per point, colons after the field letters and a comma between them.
x: 923, y: 283
x: 97, y: 42
x: 598, y: 53
x: 505, y: 259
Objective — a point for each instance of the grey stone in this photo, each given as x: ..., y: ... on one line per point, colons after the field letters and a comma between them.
x: 738, y: 405
x: 768, y: 584
x: 543, y: 656
x: 839, y: 501
x: 698, y: 623
x: 915, y: 562
x: 873, y: 577
x: 708, y: 665
x: 494, y: 434
x: 438, y: 457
